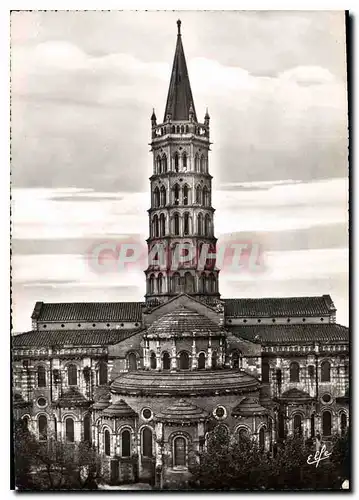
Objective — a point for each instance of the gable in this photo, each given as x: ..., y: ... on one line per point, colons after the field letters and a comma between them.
x: 151, y: 315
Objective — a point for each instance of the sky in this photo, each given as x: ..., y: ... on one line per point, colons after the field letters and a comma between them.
x: 83, y: 85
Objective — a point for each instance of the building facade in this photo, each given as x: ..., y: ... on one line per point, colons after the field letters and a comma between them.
x: 145, y: 382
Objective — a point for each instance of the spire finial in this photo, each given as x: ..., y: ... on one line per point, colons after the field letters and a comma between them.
x: 179, y: 27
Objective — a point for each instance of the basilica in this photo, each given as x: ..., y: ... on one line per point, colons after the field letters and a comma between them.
x: 144, y: 382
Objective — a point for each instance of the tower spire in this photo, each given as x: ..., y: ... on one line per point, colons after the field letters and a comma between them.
x: 179, y: 97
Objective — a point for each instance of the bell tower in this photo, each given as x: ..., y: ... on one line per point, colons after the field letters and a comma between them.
x: 181, y: 243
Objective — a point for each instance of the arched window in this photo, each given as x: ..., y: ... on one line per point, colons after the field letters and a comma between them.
x: 202, y: 283
x: 184, y: 161
x: 327, y: 423
x: 325, y: 372
x: 41, y: 376
x: 163, y: 197
x: 214, y: 360
x: 265, y: 371
x: 176, y: 224
x: 164, y: 163
x: 297, y: 424
x: 343, y: 423
x: 156, y: 197
x: 207, y: 225
x: 107, y: 442
x: 184, y: 360
x: 70, y: 430
x: 261, y: 438
x: 162, y: 225
x: 196, y: 163
x: 279, y: 377
x: 102, y: 373
x: 312, y: 425
x: 176, y: 161
x: 155, y: 226
x: 294, y: 372
x: 188, y: 283
x: 200, y: 224
x: 72, y: 375
x: 158, y: 164
x: 243, y: 433
x: 153, y: 361
x: 201, y: 361
x: 147, y: 442
x: 42, y: 423
x: 186, y: 224
x: 179, y: 452
x: 132, y: 362
x: 175, y: 283
x: 281, y: 426
x: 212, y: 283
x: 125, y: 443
x: 25, y: 423
x: 159, y: 283
x: 199, y: 195
x: 235, y: 360
x: 151, y: 283
x: 176, y: 195
x: 166, y: 361
x: 87, y: 429
x: 185, y: 195
x: 205, y: 197
x: 202, y: 165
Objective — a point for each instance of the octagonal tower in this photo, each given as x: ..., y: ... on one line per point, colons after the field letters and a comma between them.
x: 181, y: 243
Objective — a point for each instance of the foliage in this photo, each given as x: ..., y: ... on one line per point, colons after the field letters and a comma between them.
x: 53, y: 465
x: 228, y: 464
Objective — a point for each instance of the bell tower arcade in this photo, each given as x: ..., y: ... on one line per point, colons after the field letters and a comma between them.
x: 181, y: 243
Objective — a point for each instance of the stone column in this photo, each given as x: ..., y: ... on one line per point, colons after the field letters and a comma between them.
x: 158, y: 355
x: 194, y: 353
x: 174, y: 355
x: 209, y: 354
x: 221, y: 353
x: 146, y: 355
x: 77, y: 430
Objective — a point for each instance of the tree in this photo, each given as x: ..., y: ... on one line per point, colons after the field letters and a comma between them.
x: 240, y: 464
x: 231, y: 464
x: 54, y: 465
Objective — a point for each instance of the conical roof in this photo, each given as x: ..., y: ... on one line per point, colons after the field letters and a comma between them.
x: 182, y: 411
x: 295, y: 394
x: 249, y: 406
x: 102, y: 403
x: 179, y: 99
x: 120, y: 409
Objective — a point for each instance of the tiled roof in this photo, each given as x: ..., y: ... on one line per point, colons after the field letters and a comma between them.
x: 120, y: 409
x: 286, y: 306
x: 306, y: 333
x: 249, y: 406
x: 88, y: 311
x: 183, y: 320
x: 71, y: 398
x: 295, y: 394
x: 70, y: 337
x: 183, y: 383
x: 181, y: 412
